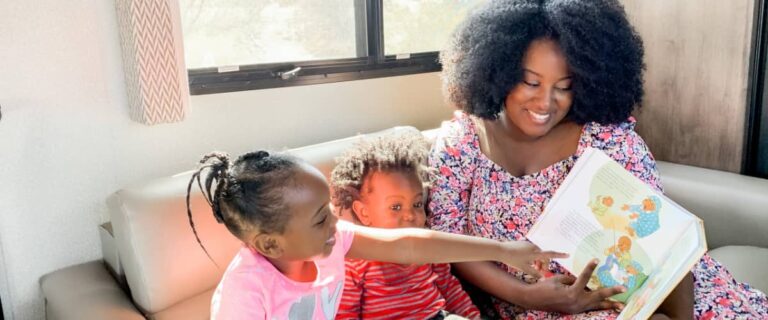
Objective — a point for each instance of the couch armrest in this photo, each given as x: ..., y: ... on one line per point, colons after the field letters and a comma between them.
x: 734, y: 207
x: 84, y: 292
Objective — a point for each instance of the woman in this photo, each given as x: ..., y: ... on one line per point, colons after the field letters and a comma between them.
x: 537, y: 83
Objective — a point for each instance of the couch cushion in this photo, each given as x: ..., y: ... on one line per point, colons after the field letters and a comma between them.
x: 746, y: 263
x: 86, y: 291
x: 162, y: 261
x: 195, y: 308
x: 734, y: 207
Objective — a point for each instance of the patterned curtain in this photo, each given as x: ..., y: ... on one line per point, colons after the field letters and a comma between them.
x: 153, y: 60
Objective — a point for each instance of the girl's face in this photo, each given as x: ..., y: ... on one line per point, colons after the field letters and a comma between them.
x: 311, y: 230
x: 544, y: 97
x: 391, y: 200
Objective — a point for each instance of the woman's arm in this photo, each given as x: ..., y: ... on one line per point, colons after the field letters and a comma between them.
x: 680, y: 303
x: 561, y: 293
x: 493, y: 280
x: 420, y: 246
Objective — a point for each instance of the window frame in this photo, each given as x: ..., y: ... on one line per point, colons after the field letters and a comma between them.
x: 372, y: 63
x: 755, y: 155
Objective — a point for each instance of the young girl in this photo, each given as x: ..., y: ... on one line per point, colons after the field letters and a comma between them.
x: 291, y: 265
x: 379, y: 183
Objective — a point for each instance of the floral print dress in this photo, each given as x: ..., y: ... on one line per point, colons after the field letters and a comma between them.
x: 475, y: 196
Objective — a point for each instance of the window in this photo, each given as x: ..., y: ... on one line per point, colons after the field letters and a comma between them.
x: 756, y: 143
x: 234, y: 45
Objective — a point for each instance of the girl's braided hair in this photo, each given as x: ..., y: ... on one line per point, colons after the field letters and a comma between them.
x: 247, y: 195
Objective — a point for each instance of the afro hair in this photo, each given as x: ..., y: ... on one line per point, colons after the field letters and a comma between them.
x: 483, y: 61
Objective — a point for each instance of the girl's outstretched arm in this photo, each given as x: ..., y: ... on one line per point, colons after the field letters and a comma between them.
x: 420, y: 246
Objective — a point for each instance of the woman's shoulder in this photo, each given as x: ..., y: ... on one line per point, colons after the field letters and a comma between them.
x: 459, y: 132
x: 611, y: 137
x: 620, y: 141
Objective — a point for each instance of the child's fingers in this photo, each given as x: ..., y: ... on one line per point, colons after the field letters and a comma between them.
x: 548, y: 255
x: 530, y: 270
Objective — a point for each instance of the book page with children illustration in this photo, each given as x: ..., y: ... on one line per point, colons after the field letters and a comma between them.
x: 642, y: 240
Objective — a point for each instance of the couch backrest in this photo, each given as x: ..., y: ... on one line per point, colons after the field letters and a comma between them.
x: 734, y: 207
x: 164, y: 265
x: 163, y: 262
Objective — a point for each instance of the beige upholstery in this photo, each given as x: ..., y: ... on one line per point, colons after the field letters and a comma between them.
x: 86, y: 292
x: 746, y: 263
x: 171, y: 278
x: 163, y: 263
x: 734, y: 207
x: 735, y: 213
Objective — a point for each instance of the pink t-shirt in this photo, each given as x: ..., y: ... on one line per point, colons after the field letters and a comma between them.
x: 252, y: 288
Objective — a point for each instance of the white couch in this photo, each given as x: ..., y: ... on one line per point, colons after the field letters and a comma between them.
x: 158, y: 271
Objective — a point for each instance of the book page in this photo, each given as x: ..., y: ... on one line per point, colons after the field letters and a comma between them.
x: 602, y: 211
x: 683, y: 255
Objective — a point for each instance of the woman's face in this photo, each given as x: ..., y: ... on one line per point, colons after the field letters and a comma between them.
x: 543, y: 98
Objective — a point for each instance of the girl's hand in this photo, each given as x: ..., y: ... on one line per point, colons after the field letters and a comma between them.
x: 527, y: 257
x: 566, y: 294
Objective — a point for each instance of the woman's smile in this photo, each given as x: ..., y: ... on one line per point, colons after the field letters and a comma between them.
x: 539, y: 118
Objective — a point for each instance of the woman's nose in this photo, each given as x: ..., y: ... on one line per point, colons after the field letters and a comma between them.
x: 543, y: 98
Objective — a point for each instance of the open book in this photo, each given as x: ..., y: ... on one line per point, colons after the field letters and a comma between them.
x: 643, y: 240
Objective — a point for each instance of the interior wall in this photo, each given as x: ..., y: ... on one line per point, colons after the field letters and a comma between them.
x: 697, y: 58
x: 66, y: 141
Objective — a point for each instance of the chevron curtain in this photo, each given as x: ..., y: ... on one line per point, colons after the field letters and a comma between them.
x: 153, y: 60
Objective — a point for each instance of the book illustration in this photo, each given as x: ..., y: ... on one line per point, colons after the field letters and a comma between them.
x: 620, y: 262
x: 644, y: 217
x: 602, y: 208
x: 639, y: 220
x: 642, y: 240
x: 634, y: 306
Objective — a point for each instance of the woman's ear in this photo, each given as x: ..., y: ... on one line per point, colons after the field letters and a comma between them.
x: 361, y: 212
x: 268, y: 245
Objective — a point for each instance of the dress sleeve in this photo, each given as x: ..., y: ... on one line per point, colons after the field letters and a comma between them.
x: 456, y: 299
x: 351, y: 299
x: 452, y: 159
x: 622, y: 143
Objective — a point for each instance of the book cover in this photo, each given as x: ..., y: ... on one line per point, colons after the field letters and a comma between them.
x: 643, y: 240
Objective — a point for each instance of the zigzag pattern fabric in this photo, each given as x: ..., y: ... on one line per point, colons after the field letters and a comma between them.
x: 153, y: 60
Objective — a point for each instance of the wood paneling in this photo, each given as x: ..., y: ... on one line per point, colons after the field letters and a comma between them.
x: 697, y: 59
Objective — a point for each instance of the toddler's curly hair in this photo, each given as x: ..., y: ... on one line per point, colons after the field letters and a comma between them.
x: 404, y: 152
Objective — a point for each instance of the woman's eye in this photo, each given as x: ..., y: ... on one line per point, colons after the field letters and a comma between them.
x: 568, y: 88
x: 418, y: 204
x: 322, y: 221
x: 530, y: 83
x: 396, y: 207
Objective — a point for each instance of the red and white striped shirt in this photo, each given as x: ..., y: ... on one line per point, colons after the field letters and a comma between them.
x: 379, y: 290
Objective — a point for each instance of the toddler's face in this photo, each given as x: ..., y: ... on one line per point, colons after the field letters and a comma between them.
x: 392, y: 200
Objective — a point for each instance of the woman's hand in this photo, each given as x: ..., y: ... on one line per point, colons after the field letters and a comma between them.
x: 527, y: 257
x: 566, y: 294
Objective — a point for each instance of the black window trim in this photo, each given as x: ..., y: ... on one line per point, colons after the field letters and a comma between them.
x: 755, y: 155
x: 373, y: 63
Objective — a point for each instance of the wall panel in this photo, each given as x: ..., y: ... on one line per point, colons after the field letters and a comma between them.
x: 697, y: 58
